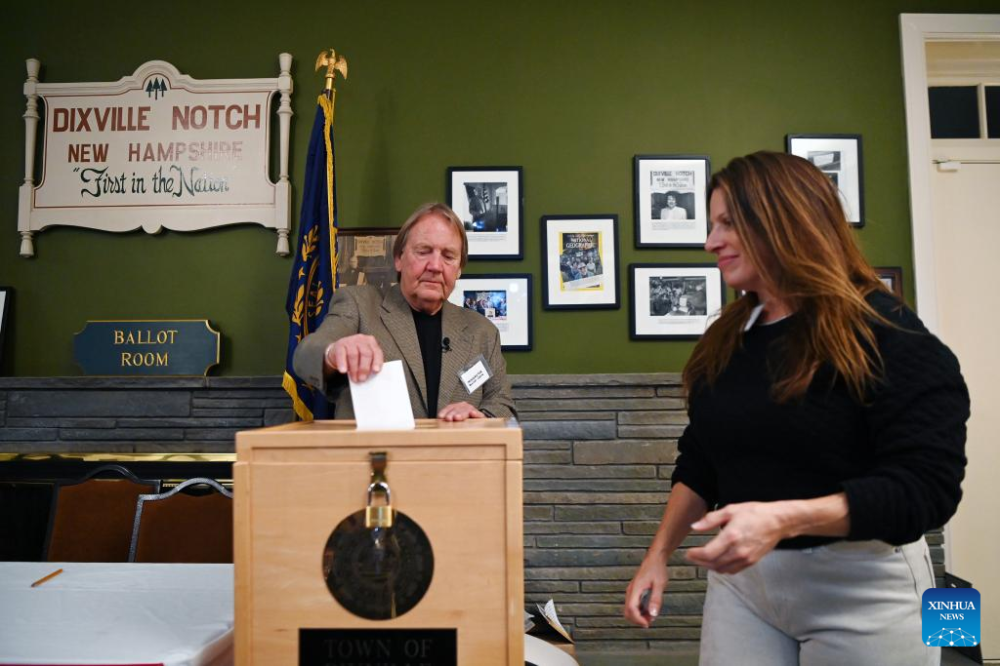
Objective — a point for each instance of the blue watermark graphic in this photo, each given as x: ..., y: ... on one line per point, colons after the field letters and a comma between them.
x: 951, y: 617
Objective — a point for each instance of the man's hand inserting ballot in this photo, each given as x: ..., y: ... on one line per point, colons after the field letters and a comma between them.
x: 357, y: 356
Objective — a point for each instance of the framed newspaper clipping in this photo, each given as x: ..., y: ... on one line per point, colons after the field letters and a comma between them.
x: 489, y: 201
x: 364, y: 256
x: 580, y: 262
x: 671, y: 200
x: 838, y: 156
x: 5, y: 295
x: 504, y: 299
x: 673, y: 301
x: 892, y: 278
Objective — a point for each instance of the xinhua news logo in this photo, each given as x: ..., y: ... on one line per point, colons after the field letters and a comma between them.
x: 951, y: 617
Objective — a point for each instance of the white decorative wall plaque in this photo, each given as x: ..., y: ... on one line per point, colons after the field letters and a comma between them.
x: 154, y: 150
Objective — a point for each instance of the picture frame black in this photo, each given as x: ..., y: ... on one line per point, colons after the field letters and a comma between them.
x: 6, y: 296
x: 670, y: 200
x: 516, y: 323
x: 658, y: 311
x: 489, y: 200
x: 372, y: 247
x: 892, y: 278
x: 599, y: 289
x: 839, y: 157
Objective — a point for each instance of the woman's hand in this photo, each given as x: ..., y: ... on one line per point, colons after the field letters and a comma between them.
x: 684, y: 506
x: 652, y: 576
x: 749, y: 531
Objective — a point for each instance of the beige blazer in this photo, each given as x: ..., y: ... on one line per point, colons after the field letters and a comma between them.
x: 361, y: 309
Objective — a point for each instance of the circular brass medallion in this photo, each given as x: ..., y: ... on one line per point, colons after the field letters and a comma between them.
x: 378, y: 573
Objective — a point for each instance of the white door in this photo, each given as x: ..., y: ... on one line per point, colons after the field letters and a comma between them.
x: 967, y: 262
x: 956, y: 228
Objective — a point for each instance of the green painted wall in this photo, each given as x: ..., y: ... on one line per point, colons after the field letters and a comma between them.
x: 569, y: 90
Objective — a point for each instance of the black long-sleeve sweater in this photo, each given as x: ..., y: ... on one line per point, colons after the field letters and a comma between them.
x: 899, y: 457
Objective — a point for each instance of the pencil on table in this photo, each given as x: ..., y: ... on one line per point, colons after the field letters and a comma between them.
x: 47, y: 578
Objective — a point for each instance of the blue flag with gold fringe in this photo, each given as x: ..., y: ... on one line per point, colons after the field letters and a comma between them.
x: 314, y: 274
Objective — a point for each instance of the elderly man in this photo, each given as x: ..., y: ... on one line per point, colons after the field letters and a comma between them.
x: 672, y: 211
x: 436, y: 340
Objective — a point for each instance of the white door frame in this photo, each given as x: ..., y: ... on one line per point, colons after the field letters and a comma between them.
x: 915, y: 31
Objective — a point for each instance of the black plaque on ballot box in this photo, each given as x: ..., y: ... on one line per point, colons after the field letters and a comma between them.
x: 378, y: 647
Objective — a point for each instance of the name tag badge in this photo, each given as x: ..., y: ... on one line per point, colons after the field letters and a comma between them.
x: 475, y: 375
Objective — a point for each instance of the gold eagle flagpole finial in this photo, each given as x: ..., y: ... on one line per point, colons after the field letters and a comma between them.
x: 334, y: 63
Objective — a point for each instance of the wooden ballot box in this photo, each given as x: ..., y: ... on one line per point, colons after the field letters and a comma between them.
x: 309, y: 566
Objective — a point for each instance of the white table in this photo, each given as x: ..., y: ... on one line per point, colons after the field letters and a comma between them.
x: 121, y: 613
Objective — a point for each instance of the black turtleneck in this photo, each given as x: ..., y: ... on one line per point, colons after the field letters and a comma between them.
x: 429, y: 335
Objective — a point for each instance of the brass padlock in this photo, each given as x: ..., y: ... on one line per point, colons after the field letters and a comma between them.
x: 379, y: 516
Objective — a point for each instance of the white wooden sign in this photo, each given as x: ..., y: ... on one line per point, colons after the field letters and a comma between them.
x: 157, y: 149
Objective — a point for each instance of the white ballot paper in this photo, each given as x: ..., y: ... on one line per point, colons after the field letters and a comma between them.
x: 382, y: 402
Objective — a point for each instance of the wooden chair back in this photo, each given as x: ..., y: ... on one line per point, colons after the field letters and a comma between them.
x: 179, y: 526
x: 91, y: 518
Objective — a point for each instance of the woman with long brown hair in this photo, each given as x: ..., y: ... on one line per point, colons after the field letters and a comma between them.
x: 826, y: 436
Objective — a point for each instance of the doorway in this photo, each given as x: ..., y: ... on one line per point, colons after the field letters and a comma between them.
x: 955, y: 208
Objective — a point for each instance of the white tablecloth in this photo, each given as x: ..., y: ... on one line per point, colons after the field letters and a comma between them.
x: 170, y: 614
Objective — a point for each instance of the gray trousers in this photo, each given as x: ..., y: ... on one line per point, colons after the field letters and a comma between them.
x: 845, y: 604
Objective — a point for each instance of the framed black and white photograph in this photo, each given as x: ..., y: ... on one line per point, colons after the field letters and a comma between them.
x: 892, y: 278
x: 673, y: 301
x: 504, y: 299
x: 580, y: 262
x: 489, y: 201
x: 838, y: 156
x: 364, y: 256
x: 5, y: 297
x: 671, y: 200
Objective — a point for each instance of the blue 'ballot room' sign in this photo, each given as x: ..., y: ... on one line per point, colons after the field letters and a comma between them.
x: 180, y: 347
